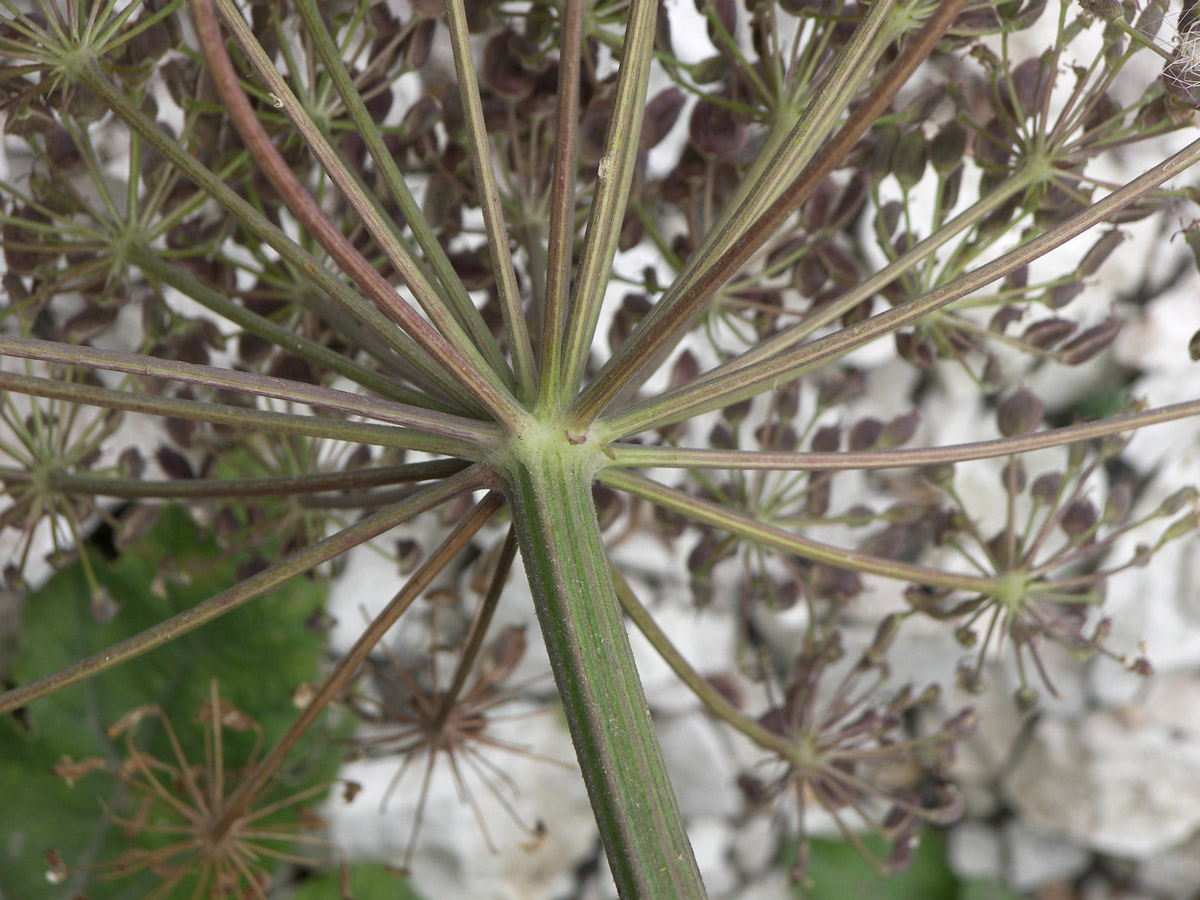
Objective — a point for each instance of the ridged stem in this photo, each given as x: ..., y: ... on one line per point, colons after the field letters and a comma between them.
x: 550, y: 493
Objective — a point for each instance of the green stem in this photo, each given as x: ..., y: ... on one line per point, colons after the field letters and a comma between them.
x: 830, y: 312
x: 489, y: 200
x: 91, y: 78
x: 726, y: 256
x: 706, y: 394
x: 460, y: 302
x: 479, y: 629
x: 716, y: 516
x: 238, y: 488
x: 239, y: 801
x: 560, y: 238
x: 245, y: 591
x: 478, y: 345
x: 238, y: 417
x: 786, y: 149
x: 158, y: 269
x: 648, y: 852
x: 453, y: 353
x: 638, y: 456
x: 613, y: 181
x: 713, y: 699
x: 463, y: 431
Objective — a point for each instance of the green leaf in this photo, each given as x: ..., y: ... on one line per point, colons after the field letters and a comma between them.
x: 1101, y: 404
x: 368, y: 881
x: 259, y: 654
x: 836, y: 871
x: 984, y: 890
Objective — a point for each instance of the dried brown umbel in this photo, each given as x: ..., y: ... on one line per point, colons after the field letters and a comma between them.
x: 177, y: 818
x: 414, y: 716
x: 858, y: 753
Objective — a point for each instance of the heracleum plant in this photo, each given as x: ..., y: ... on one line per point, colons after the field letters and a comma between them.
x: 418, y: 309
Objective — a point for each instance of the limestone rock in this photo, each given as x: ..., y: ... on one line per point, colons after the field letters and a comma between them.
x: 1111, y: 783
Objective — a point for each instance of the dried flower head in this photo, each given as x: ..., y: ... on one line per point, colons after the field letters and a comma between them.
x: 1051, y: 561
x: 47, y: 445
x: 415, y: 716
x: 858, y: 754
x: 187, y: 833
